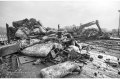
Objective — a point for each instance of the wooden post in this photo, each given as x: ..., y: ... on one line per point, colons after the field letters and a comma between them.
x: 7, y: 29
x: 58, y: 27
x: 59, y: 32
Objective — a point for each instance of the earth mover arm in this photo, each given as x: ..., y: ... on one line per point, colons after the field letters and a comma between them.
x: 90, y: 24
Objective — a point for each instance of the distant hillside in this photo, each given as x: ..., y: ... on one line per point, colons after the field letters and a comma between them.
x: 2, y: 30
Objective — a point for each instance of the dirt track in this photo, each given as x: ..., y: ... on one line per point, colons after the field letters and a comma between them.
x: 110, y: 47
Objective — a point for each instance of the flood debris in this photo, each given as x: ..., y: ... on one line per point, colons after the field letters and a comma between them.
x: 60, y: 70
x: 25, y: 28
x: 22, y: 33
x: 100, y: 56
x: 28, y: 42
x: 33, y: 43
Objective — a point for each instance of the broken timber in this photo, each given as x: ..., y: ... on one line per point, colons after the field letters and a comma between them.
x: 9, y: 49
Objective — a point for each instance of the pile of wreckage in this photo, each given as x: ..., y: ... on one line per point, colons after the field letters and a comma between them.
x: 49, y: 46
x: 54, y: 46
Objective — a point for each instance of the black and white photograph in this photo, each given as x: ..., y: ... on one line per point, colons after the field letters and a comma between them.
x: 60, y: 39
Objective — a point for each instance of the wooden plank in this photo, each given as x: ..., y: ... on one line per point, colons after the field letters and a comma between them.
x: 9, y: 49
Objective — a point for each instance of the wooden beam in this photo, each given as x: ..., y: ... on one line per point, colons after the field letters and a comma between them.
x: 9, y: 49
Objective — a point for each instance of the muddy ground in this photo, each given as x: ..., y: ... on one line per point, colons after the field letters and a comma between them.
x: 10, y: 69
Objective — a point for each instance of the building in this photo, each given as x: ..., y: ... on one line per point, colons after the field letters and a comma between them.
x: 3, y: 39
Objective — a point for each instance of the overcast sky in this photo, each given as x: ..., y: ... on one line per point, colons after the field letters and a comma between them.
x: 65, y: 13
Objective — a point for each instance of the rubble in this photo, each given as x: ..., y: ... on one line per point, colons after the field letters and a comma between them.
x: 38, y: 50
x: 26, y: 43
x: 27, y: 27
x: 60, y: 70
x: 22, y: 33
x: 90, y: 33
x: 38, y: 45
x: 100, y: 56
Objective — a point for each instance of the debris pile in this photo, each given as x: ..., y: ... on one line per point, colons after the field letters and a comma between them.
x: 53, y: 46
x: 43, y: 46
x: 90, y: 33
x: 27, y: 27
x: 60, y: 70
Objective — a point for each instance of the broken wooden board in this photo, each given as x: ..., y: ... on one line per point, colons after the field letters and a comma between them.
x: 9, y: 49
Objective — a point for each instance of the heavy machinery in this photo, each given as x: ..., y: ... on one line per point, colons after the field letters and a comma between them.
x: 81, y: 32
